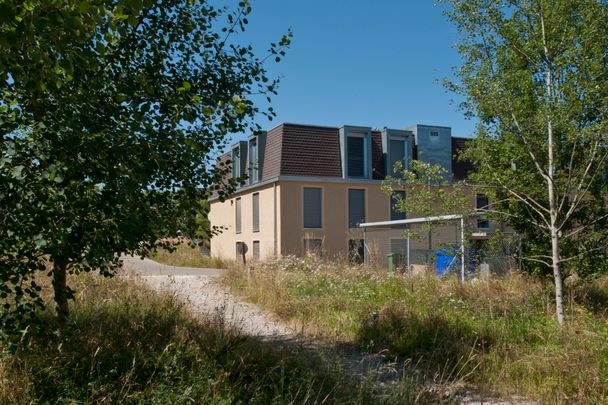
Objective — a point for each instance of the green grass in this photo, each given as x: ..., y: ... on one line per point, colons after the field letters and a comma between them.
x: 185, y: 255
x: 497, y: 335
x: 128, y: 344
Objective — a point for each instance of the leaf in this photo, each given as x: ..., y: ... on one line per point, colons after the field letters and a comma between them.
x: 39, y: 241
x: 17, y: 172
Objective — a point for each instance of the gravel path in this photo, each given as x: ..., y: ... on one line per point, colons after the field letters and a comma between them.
x: 206, y: 296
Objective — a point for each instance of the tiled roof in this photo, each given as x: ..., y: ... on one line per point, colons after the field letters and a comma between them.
x: 314, y: 151
x: 310, y: 151
x: 273, y: 152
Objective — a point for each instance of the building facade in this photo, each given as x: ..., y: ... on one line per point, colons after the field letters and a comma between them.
x: 309, y: 187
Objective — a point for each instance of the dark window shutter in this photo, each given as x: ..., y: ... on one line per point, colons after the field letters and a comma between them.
x: 356, y: 251
x: 236, y: 160
x: 237, y: 212
x: 356, y: 156
x: 482, y: 203
x: 396, y: 153
x: 256, y: 249
x: 253, y: 161
x: 243, y: 158
x: 256, y: 212
x: 397, y: 215
x: 313, y: 207
x: 356, y: 207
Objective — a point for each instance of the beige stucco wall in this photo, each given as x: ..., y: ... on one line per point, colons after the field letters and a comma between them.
x: 224, y: 214
x: 290, y: 232
x: 335, y: 233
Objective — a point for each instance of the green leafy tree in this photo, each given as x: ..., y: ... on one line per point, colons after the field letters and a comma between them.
x: 111, y: 114
x: 429, y: 192
x: 534, y: 74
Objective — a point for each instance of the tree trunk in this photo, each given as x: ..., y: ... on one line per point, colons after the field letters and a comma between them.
x: 557, y: 276
x: 60, y: 288
x: 550, y: 178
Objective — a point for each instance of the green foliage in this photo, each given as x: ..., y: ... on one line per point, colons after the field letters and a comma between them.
x: 429, y: 192
x: 111, y: 117
x: 497, y: 334
x: 128, y: 344
x: 534, y: 73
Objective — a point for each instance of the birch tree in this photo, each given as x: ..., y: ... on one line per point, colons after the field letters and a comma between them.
x: 535, y: 74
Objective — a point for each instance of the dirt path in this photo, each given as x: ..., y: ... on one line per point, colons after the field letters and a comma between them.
x: 206, y: 296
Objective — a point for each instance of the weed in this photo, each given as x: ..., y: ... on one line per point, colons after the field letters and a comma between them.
x: 128, y: 344
x: 497, y: 335
x: 188, y: 255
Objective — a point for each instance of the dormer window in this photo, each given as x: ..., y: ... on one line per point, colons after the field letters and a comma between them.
x: 236, y: 162
x: 356, y: 156
x: 256, y: 146
x: 355, y: 146
x: 253, y: 160
x: 239, y: 159
x: 396, y: 153
x: 397, y: 146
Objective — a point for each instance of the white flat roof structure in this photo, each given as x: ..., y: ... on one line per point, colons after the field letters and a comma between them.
x: 415, y: 220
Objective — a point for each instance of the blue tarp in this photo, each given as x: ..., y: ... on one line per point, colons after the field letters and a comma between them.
x: 449, y: 260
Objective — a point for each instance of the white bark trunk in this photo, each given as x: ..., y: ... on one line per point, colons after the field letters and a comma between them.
x: 550, y: 178
x: 557, y: 277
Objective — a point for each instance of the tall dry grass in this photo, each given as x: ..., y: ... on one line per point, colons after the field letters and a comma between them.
x: 187, y: 255
x: 128, y: 344
x: 498, y: 335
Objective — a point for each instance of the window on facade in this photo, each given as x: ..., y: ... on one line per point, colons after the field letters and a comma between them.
x: 395, y: 198
x: 255, y: 199
x: 236, y: 163
x: 237, y: 215
x: 312, y: 204
x: 313, y: 246
x: 356, y: 156
x: 434, y: 133
x: 256, y: 249
x: 396, y: 153
x: 356, y: 251
x: 356, y: 207
x: 241, y: 250
x: 482, y: 204
x: 253, y: 161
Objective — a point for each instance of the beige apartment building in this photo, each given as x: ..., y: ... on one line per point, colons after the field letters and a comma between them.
x: 309, y: 187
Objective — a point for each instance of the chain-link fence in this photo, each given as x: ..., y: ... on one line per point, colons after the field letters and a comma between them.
x: 418, y: 246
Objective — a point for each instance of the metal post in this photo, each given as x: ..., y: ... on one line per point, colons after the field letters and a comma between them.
x: 409, y: 269
x: 462, y: 267
x: 365, y: 259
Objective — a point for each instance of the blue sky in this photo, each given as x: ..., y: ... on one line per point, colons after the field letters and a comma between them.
x: 371, y: 63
